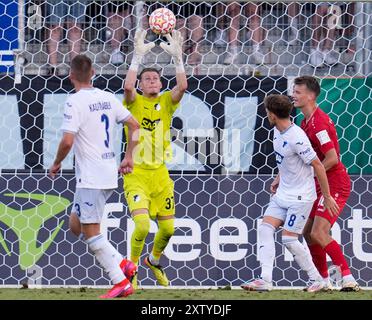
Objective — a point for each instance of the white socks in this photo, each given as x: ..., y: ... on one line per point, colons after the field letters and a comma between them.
x: 348, y: 278
x: 266, y: 248
x: 301, y: 256
x: 107, y: 256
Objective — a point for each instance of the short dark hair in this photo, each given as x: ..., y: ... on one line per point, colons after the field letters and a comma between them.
x: 81, y: 66
x: 279, y: 105
x: 148, y: 70
x: 310, y: 82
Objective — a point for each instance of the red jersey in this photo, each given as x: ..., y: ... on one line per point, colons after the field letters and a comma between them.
x: 323, y: 137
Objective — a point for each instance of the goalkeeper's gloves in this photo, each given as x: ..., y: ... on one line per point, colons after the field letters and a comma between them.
x: 140, y: 49
x: 174, y: 48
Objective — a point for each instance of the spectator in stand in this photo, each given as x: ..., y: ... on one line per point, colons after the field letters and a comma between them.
x: 252, y: 13
x: 293, y: 11
x: 325, y: 21
x: 70, y: 14
x: 190, y: 24
x: 120, y: 23
x: 228, y: 23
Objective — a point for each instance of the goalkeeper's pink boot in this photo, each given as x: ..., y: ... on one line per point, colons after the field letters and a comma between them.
x: 129, y: 269
x: 119, y: 290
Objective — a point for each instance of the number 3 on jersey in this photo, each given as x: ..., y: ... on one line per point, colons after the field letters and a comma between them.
x: 169, y: 203
x: 105, y: 119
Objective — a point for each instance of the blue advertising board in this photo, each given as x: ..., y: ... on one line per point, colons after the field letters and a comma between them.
x: 8, y: 34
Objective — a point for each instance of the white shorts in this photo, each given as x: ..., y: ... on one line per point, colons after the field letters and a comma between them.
x: 89, y: 204
x: 293, y: 214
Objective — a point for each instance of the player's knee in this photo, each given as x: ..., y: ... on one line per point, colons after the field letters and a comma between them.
x: 74, y: 224
x: 265, y: 230
x: 142, y: 227
x: 317, y: 236
x: 143, y: 230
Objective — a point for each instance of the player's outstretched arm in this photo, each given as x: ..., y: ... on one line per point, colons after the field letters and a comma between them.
x: 174, y: 48
x: 126, y: 166
x: 140, y: 49
x: 63, y: 149
x: 329, y: 203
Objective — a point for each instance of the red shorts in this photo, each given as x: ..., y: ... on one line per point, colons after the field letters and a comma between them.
x: 340, y: 191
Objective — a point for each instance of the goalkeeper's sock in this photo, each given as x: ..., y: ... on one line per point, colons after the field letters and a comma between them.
x: 301, y: 256
x: 266, y: 247
x: 333, y: 249
x: 141, y: 230
x: 165, y: 232
x: 107, y: 256
x: 319, y: 258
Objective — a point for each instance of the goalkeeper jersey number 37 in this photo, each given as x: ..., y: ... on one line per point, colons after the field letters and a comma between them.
x: 154, y: 117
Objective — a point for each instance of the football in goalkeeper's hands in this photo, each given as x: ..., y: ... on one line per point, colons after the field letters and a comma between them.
x: 162, y: 21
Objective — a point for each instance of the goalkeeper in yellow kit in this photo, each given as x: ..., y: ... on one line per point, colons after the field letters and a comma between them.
x: 149, y: 190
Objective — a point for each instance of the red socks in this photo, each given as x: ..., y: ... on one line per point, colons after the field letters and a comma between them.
x: 319, y: 258
x: 333, y: 249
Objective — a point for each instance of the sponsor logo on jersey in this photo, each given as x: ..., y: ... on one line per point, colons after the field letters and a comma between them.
x: 149, y: 125
x: 108, y: 155
x: 305, y: 151
x: 136, y: 198
x: 157, y: 107
x: 67, y: 116
x: 279, y: 157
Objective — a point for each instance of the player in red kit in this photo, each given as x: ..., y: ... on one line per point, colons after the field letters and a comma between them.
x: 323, y: 137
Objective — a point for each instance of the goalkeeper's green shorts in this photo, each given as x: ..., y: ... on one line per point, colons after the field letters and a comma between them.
x: 150, y: 189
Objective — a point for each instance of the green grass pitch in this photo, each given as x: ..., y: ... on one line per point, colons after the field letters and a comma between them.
x: 180, y: 294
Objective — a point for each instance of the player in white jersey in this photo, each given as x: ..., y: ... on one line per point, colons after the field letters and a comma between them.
x: 294, y: 195
x: 89, y: 118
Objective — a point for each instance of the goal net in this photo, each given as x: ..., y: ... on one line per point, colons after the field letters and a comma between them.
x: 235, y: 54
